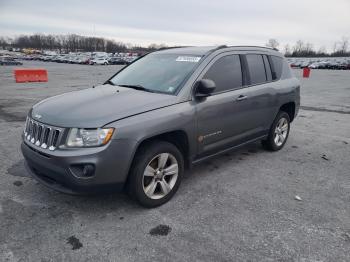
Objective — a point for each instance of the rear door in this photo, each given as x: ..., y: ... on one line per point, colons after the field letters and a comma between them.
x: 241, y: 107
x: 261, y: 91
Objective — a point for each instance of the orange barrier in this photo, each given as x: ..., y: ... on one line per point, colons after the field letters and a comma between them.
x: 30, y: 75
x: 306, y: 72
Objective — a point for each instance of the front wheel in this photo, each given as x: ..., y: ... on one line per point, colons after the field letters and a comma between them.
x: 156, y: 173
x: 278, y: 133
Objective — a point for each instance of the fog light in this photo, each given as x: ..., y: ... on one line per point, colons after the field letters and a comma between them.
x: 88, y: 170
x: 83, y: 170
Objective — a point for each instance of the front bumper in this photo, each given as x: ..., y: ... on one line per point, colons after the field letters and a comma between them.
x: 56, y: 169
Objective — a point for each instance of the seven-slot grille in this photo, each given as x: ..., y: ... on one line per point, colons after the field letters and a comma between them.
x: 42, y: 135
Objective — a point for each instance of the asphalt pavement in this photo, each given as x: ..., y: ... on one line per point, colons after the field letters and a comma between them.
x: 247, y: 205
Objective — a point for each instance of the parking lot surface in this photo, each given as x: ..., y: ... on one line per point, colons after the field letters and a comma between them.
x: 240, y: 206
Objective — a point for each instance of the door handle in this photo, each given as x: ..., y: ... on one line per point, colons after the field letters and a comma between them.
x: 241, y: 97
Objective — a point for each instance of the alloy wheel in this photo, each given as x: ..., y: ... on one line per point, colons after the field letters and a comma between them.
x: 160, y: 175
x: 281, y: 131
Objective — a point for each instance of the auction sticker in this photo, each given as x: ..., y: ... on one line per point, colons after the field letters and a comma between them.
x: 191, y: 59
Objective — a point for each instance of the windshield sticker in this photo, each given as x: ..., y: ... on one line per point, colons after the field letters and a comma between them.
x: 191, y: 59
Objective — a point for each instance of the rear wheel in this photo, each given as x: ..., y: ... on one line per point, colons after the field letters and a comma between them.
x: 278, y: 133
x: 156, y: 173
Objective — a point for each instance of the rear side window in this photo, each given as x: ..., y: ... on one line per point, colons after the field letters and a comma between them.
x: 276, y: 67
x: 267, y: 68
x: 256, y: 69
x: 226, y: 73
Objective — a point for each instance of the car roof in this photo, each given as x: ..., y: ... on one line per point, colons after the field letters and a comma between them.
x: 203, y: 50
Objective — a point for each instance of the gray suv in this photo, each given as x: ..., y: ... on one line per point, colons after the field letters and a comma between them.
x: 158, y: 116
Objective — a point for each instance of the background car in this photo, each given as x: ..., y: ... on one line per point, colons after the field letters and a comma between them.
x: 9, y: 61
x: 99, y: 61
x: 116, y: 61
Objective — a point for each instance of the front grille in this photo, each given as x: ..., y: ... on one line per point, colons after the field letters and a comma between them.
x: 42, y: 135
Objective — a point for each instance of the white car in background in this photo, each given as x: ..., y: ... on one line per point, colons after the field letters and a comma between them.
x: 99, y: 61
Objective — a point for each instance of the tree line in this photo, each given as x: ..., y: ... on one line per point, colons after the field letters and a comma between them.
x: 306, y: 49
x: 72, y: 43
x: 78, y: 43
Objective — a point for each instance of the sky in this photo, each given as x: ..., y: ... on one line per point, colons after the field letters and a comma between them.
x: 183, y: 22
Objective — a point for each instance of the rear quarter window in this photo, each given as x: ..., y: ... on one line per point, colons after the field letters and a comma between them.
x: 276, y: 66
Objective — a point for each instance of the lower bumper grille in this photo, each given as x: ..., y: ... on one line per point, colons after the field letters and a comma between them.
x: 42, y: 135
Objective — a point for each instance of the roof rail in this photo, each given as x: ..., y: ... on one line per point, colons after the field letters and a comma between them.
x: 171, y: 47
x: 216, y: 48
x: 265, y: 47
x: 220, y: 47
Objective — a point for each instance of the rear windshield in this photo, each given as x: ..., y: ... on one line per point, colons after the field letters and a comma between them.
x: 163, y: 73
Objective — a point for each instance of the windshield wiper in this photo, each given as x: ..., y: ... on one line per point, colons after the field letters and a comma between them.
x: 138, y: 87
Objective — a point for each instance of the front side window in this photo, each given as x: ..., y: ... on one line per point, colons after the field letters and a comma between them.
x: 163, y: 73
x: 256, y: 69
x: 226, y: 73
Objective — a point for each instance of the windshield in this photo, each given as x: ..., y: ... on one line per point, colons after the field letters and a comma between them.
x: 162, y: 73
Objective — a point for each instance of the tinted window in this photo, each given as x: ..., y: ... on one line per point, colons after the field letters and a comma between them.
x: 226, y: 73
x: 276, y: 67
x: 256, y: 69
x: 267, y: 68
x: 158, y: 72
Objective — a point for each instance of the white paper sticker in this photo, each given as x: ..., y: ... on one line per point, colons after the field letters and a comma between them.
x: 191, y: 59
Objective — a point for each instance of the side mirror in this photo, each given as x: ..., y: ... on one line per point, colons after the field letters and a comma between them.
x: 204, y: 88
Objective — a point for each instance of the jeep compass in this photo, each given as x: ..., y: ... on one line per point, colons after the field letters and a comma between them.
x: 158, y: 116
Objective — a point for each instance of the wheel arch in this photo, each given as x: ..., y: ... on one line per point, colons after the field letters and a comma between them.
x: 289, y: 108
x: 179, y: 138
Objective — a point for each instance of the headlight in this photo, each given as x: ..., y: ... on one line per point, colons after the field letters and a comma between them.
x: 81, y: 137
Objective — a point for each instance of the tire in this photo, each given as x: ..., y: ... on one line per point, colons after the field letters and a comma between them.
x: 147, y: 162
x: 272, y: 143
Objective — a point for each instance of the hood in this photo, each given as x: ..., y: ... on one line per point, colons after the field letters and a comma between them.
x: 95, y: 107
